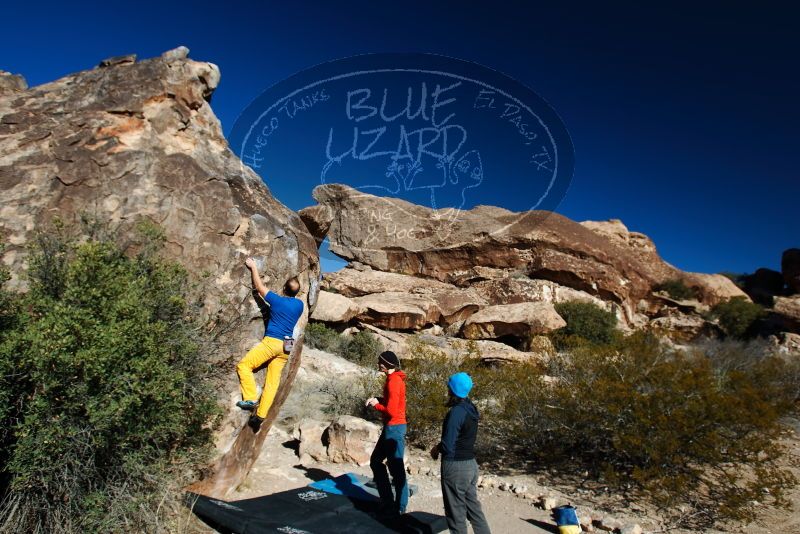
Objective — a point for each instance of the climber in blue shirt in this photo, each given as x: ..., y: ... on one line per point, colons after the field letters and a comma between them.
x: 273, y: 349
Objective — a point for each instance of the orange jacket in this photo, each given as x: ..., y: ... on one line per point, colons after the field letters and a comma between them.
x: 393, y: 402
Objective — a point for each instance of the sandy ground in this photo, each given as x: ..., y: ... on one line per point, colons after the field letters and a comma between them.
x: 278, y: 469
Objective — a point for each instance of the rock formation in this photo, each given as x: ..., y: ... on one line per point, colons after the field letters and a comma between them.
x: 476, y: 273
x: 129, y: 140
x: 522, y: 320
x: 790, y: 267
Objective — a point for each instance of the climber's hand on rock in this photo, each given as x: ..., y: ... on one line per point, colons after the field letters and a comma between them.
x: 250, y: 263
x: 371, y: 402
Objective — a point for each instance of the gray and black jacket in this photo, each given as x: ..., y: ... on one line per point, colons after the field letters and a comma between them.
x: 459, y: 430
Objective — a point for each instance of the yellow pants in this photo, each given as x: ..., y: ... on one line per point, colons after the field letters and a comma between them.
x: 268, y: 350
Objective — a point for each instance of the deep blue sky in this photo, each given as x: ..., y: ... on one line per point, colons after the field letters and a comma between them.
x: 685, y: 119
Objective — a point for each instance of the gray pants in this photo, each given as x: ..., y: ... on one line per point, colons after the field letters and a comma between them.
x: 459, y: 489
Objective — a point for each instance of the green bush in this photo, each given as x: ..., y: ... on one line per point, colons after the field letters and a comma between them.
x: 738, y: 317
x: 677, y: 289
x: 103, y: 388
x: 362, y: 348
x: 670, y: 426
x: 698, y: 429
x: 586, y: 322
x: 319, y: 336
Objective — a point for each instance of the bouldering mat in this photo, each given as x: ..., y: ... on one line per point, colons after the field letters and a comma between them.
x: 308, y: 511
x: 353, y: 485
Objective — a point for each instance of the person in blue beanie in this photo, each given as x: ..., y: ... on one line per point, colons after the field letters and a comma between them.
x: 459, y: 468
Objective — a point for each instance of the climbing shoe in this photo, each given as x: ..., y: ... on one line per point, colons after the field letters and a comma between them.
x: 247, y: 405
x: 255, y: 422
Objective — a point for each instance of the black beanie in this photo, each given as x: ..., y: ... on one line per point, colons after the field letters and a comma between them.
x: 389, y: 359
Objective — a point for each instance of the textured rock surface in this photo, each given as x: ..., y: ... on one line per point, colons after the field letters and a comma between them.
x: 351, y: 440
x: 788, y: 311
x: 131, y: 140
x: 713, y: 288
x: 763, y: 285
x: 521, y: 320
x: 683, y: 327
x: 790, y: 267
x: 135, y: 140
x: 11, y: 83
x: 335, y: 308
x: 513, y: 290
x: 604, y: 260
x: 309, y: 434
x: 398, y: 311
x: 403, y: 345
x: 437, y: 301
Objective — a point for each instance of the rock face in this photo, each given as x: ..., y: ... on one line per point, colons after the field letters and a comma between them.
x: 351, y: 440
x: 11, y: 83
x: 335, y: 308
x: 135, y: 140
x: 521, y: 321
x: 398, y: 311
x: 683, y: 327
x: 788, y: 311
x: 763, y: 285
x: 604, y: 260
x: 132, y: 140
x: 432, y: 301
x: 790, y: 267
x: 309, y: 433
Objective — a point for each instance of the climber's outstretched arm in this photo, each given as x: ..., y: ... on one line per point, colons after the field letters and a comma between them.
x: 257, y: 283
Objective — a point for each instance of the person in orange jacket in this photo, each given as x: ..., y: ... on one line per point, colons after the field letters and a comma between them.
x: 392, y: 441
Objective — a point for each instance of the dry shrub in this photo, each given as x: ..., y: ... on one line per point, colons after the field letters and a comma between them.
x: 698, y: 429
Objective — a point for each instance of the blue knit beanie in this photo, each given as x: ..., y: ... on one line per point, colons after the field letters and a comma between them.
x: 460, y: 384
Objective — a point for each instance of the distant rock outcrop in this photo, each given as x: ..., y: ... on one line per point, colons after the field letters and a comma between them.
x: 414, y: 268
x: 790, y: 267
x: 522, y: 321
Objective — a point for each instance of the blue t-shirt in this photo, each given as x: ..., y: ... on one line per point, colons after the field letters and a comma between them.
x: 284, y: 314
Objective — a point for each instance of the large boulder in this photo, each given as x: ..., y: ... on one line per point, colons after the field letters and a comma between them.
x: 787, y: 310
x: 683, y: 327
x: 11, y: 83
x: 132, y: 140
x: 790, y: 267
x: 763, y: 285
x: 335, y: 308
x: 516, y: 289
x: 398, y: 311
x: 713, y: 288
x: 351, y: 440
x: 138, y: 140
x: 407, y: 346
x: 604, y: 260
x: 363, y: 280
x: 429, y: 301
x: 521, y: 321
x: 308, y: 434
